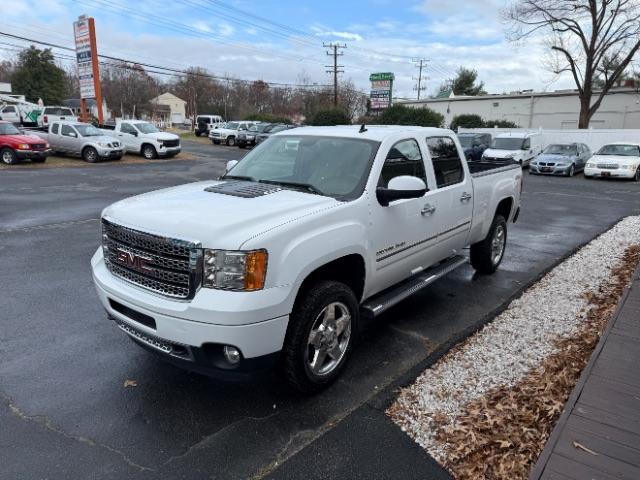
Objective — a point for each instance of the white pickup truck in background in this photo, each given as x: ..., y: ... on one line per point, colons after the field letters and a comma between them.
x: 144, y: 138
x: 283, y: 259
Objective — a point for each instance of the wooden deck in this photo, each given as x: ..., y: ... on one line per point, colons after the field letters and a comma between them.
x: 598, y: 434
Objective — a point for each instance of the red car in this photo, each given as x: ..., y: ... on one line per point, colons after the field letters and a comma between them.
x: 14, y: 146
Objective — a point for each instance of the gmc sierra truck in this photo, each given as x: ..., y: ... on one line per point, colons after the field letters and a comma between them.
x: 283, y: 259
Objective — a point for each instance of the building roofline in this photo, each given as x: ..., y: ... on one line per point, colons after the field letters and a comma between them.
x: 559, y: 93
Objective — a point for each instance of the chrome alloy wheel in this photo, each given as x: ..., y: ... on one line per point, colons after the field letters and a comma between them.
x: 329, y: 339
x: 497, y: 244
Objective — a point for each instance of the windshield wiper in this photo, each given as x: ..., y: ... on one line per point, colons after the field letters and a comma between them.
x: 304, y: 186
x: 237, y: 177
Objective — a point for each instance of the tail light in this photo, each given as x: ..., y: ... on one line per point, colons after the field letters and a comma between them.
x: 45, y: 119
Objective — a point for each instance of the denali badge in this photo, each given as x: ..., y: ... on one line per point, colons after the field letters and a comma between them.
x: 133, y: 261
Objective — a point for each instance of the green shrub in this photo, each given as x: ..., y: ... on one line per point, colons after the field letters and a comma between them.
x: 334, y: 116
x: 402, y: 115
x: 469, y: 120
x: 500, y: 124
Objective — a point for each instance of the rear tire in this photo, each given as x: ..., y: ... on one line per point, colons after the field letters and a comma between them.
x: 636, y: 178
x: 487, y: 255
x: 320, y: 336
x: 149, y: 152
x: 90, y: 155
x: 8, y: 156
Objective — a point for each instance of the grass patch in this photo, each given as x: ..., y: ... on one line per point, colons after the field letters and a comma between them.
x: 64, y: 162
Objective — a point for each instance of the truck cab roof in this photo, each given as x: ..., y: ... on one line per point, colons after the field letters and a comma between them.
x: 517, y: 135
x: 377, y: 133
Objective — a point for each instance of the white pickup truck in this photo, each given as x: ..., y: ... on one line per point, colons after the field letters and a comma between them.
x: 144, y: 138
x: 285, y: 257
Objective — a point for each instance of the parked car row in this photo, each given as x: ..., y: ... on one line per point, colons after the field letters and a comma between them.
x: 616, y: 160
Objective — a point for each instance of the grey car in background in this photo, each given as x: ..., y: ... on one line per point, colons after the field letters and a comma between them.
x: 561, y: 159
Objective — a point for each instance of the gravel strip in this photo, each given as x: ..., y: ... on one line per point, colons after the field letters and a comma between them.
x: 515, y: 342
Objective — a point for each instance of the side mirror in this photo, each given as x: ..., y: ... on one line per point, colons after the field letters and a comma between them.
x: 399, y: 188
x: 231, y: 164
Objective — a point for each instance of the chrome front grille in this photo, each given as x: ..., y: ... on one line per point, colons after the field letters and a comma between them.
x: 163, y: 265
x: 607, y: 166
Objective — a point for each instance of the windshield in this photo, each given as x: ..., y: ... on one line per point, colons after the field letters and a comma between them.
x: 8, y: 129
x: 561, y: 150
x: 330, y: 166
x: 277, y: 128
x: 232, y: 125
x: 146, y: 127
x: 507, y: 143
x: 88, y: 130
x: 466, y: 141
x: 58, y: 111
x: 621, y: 150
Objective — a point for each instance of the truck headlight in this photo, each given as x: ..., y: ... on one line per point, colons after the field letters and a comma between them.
x: 103, y: 144
x: 591, y: 165
x: 630, y: 167
x: 24, y: 146
x: 235, y: 270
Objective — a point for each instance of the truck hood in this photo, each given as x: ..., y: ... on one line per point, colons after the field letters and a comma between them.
x: 22, y: 138
x: 615, y: 159
x: 490, y: 152
x: 161, y: 136
x: 216, y: 220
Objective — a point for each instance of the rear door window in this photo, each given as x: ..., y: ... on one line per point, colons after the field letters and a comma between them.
x: 55, y: 128
x: 404, y: 158
x: 127, y: 128
x: 447, y: 164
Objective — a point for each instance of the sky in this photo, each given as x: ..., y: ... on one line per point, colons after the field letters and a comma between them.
x: 282, y: 41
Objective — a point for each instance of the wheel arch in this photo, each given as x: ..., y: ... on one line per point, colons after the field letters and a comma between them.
x: 505, y: 208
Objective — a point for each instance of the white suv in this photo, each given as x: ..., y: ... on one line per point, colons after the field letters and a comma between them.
x: 229, y: 132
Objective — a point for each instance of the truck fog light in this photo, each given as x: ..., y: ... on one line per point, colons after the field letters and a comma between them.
x: 232, y: 354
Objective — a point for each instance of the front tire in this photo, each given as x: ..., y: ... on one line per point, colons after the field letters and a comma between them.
x: 8, y: 156
x: 90, y: 155
x: 487, y: 255
x: 231, y: 141
x: 320, y: 336
x: 572, y: 171
x: 149, y: 152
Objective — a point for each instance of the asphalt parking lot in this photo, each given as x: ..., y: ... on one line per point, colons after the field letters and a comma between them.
x: 64, y: 410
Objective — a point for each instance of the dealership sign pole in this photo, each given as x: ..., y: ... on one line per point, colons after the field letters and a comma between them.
x: 84, y: 30
x: 381, y: 90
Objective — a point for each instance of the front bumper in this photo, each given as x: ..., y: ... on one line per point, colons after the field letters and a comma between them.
x: 254, y: 324
x: 246, y: 141
x: 168, y: 151
x: 29, y: 154
x: 106, y: 153
x: 608, y: 173
x: 549, y: 170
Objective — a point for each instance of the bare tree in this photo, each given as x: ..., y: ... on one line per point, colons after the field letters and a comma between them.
x: 587, y: 38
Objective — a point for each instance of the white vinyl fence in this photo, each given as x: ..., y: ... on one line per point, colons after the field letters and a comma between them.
x: 593, y: 138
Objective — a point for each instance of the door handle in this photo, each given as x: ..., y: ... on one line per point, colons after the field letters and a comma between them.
x: 465, y: 197
x: 428, y: 209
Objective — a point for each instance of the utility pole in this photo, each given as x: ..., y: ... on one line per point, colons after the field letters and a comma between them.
x: 335, y: 68
x: 420, y: 64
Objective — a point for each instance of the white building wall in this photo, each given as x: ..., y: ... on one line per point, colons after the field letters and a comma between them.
x: 554, y: 110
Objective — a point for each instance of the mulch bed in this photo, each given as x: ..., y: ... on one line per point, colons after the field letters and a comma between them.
x: 501, y: 435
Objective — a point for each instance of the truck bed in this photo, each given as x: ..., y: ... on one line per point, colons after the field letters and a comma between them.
x: 482, y: 167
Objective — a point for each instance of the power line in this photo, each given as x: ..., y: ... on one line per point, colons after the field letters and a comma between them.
x: 157, y: 68
x: 335, y: 69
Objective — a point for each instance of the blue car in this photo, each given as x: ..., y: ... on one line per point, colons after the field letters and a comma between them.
x: 561, y: 159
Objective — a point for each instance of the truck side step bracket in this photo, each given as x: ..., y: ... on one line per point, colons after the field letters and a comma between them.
x: 394, y: 295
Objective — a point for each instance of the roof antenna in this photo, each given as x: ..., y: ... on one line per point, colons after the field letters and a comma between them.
x: 363, y: 128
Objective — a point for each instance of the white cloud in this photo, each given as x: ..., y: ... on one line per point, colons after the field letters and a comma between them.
x: 342, y: 35
x: 202, y: 26
x: 226, y: 30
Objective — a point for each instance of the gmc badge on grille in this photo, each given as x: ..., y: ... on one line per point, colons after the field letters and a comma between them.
x: 133, y: 261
